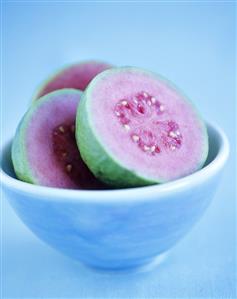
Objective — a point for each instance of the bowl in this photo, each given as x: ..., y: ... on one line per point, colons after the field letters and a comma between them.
x: 117, y: 229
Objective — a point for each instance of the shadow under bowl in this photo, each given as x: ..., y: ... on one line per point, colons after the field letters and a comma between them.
x: 117, y: 229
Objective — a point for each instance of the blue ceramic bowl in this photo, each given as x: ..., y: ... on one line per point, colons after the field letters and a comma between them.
x: 117, y: 229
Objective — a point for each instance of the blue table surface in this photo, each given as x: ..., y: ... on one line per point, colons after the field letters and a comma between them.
x: 191, y: 43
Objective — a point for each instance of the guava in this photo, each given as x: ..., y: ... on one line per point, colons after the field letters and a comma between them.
x: 44, y: 150
x: 75, y: 76
x: 135, y: 128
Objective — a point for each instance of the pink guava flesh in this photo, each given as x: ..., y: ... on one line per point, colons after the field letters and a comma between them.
x: 51, y: 146
x: 147, y: 125
x: 76, y: 76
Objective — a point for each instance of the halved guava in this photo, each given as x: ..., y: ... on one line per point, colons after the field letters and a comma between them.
x: 75, y: 76
x: 44, y: 150
x: 135, y: 128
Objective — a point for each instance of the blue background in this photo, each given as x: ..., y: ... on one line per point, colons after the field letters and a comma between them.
x: 190, y: 43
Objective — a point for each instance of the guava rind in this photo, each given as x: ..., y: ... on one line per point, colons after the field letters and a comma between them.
x: 41, y: 90
x: 18, y: 156
x: 99, y: 159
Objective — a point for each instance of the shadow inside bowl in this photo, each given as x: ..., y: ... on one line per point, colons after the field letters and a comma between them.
x: 214, y: 148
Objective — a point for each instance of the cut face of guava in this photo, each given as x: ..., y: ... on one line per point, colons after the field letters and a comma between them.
x: 75, y: 76
x: 44, y: 150
x: 134, y: 128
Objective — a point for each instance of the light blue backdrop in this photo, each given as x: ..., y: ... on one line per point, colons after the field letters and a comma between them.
x: 190, y: 43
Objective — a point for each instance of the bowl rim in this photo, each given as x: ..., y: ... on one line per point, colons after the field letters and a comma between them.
x: 128, y: 194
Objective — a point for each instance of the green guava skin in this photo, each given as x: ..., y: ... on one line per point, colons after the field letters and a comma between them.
x: 20, y: 162
x: 98, y: 159
x: 18, y: 155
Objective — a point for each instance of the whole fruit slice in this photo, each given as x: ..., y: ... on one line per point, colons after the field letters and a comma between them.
x: 134, y: 128
x: 75, y: 76
x: 44, y: 149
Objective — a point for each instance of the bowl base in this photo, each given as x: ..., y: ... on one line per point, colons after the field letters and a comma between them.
x: 144, y: 267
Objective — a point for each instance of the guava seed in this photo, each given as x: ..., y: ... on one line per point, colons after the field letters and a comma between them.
x: 130, y: 113
x: 67, y: 155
